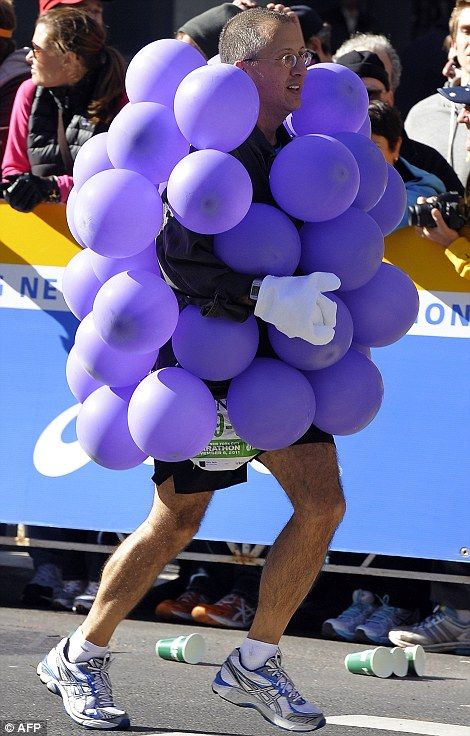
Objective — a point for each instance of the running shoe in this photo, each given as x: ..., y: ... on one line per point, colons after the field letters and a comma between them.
x: 440, y: 632
x: 345, y: 625
x: 180, y: 608
x: 270, y: 691
x: 85, y: 689
x: 84, y: 601
x: 43, y: 586
x: 63, y: 600
x: 232, y: 612
x: 383, y: 619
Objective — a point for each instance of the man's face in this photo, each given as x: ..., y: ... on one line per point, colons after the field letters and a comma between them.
x: 461, y: 43
x: 376, y: 89
x: 464, y: 119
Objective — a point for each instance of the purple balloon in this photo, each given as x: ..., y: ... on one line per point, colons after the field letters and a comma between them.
x: 91, y: 159
x: 388, y: 211
x: 364, y: 349
x: 209, y: 192
x: 384, y: 309
x: 172, y: 415
x: 366, y: 127
x: 307, y: 357
x: 271, y: 404
x: 80, y: 382
x: 217, y: 107
x: 372, y: 169
x: 334, y: 100
x: 80, y: 284
x: 135, y: 311
x: 214, y: 60
x: 156, y: 71
x: 69, y: 213
x: 348, y: 393
x: 314, y: 178
x: 103, y: 432
x: 215, y: 349
x: 351, y: 246
x: 144, y: 137
x: 104, y: 363
x: 105, y: 267
x: 118, y: 212
x: 265, y: 242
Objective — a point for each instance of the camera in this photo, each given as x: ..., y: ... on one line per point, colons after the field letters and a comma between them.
x: 449, y: 206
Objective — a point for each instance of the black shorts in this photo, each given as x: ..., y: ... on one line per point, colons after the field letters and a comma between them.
x: 189, y: 478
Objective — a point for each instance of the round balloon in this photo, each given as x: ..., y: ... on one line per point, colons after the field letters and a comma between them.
x: 156, y: 71
x: 209, y: 192
x: 105, y: 267
x: 144, y: 137
x: 135, y: 311
x: 348, y: 394
x: 80, y: 382
x: 69, y: 213
x: 384, y: 309
x: 271, y: 404
x: 118, y: 212
x: 364, y: 349
x: 217, y: 106
x: 314, y: 178
x: 351, y: 246
x: 80, y: 284
x: 366, y: 127
x: 307, y: 357
x: 172, y: 415
x: 215, y: 349
x: 265, y: 242
x: 104, y: 363
x: 103, y: 432
x: 334, y: 100
x: 388, y: 211
x: 91, y: 158
x: 372, y: 168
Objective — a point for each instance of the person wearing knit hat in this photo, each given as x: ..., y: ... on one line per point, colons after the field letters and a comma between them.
x: 13, y: 68
x: 93, y: 7
x: 371, y: 69
x: 203, y: 30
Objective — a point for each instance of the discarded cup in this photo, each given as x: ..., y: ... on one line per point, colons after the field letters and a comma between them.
x: 416, y: 660
x: 376, y: 662
x: 400, y: 662
x: 189, y: 649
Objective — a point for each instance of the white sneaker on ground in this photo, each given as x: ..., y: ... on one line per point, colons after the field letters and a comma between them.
x: 85, y: 689
x: 64, y: 598
x: 270, y: 691
x: 382, y: 620
x: 84, y: 601
x: 345, y: 625
x: 440, y: 632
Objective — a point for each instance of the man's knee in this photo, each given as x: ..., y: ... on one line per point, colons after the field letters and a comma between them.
x: 179, y: 514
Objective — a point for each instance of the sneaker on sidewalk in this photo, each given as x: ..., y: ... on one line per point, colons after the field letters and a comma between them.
x: 84, y: 601
x: 85, y: 689
x: 344, y: 626
x: 270, y: 691
x: 180, y: 608
x: 382, y: 620
x: 43, y: 586
x: 64, y: 598
x: 232, y: 611
x: 440, y: 632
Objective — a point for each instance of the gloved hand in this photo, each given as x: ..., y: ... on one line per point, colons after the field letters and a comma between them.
x: 29, y: 190
x: 296, y: 306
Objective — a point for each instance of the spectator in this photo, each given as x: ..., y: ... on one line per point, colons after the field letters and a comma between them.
x: 13, y: 69
x: 203, y: 30
x: 92, y: 7
x: 347, y: 18
x: 381, y: 46
x: 371, y: 69
x: 316, y: 33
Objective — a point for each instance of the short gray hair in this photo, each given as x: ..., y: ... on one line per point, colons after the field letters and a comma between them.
x: 374, y: 43
x: 246, y: 34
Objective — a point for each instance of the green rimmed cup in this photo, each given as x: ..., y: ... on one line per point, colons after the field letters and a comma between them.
x: 189, y: 649
x: 416, y: 660
x: 376, y: 662
x: 400, y: 662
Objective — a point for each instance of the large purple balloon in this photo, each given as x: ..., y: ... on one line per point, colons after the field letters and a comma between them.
x: 271, y: 404
x: 69, y: 213
x: 105, y: 267
x: 172, y: 415
x: 301, y: 354
x: 144, y: 137
x: 91, y: 159
x: 215, y: 349
x: 351, y: 246
x: 217, y: 106
x: 388, y: 211
x: 103, y: 431
x: 135, y: 311
x: 155, y: 72
x: 209, y: 191
x: 265, y: 242
x: 348, y: 393
x: 104, y: 363
x: 366, y: 127
x: 314, y: 178
x: 80, y: 382
x: 384, y: 309
x: 372, y: 168
x: 80, y: 284
x: 118, y: 212
x: 334, y: 99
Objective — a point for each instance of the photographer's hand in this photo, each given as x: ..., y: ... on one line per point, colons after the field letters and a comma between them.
x: 440, y: 234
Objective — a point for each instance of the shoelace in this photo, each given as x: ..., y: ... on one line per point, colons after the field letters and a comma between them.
x: 354, y: 610
x: 435, y: 618
x: 101, y: 684
x: 285, y: 684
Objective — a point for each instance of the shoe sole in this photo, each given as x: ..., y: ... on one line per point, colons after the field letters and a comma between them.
x: 81, y: 609
x: 460, y: 648
x: 328, y: 630
x: 361, y: 636
x: 174, y: 616
x: 220, y: 621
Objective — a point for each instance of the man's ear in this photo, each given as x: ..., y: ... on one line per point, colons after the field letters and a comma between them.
x: 240, y: 65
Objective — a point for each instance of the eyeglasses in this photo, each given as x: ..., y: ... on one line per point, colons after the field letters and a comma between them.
x: 290, y: 60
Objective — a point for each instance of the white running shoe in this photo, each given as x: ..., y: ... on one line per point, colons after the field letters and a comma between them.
x: 440, y: 632
x: 84, y: 687
x: 84, y: 601
x: 383, y: 619
x: 270, y: 691
x: 64, y: 598
x: 345, y: 625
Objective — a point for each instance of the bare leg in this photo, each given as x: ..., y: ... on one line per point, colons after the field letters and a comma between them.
x: 309, y: 476
x: 129, y: 573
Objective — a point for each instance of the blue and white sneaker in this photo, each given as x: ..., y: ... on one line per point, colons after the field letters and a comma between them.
x: 345, y: 625
x: 269, y: 690
x: 383, y: 619
x: 85, y: 689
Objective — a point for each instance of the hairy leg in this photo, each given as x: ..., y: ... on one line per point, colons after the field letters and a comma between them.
x: 129, y: 573
x: 309, y: 476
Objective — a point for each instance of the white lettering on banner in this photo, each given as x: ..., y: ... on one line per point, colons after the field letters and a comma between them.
x: 31, y: 287
x: 443, y: 314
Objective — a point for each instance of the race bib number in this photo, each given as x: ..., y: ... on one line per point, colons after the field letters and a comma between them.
x: 226, y: 451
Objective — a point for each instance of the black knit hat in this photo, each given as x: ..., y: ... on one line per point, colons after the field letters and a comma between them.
x: 310, y: 21
x: 205, y: 28
x: 365, y: 64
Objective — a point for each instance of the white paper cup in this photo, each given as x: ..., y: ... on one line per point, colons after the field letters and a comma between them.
x: 189, y: 649
x: 400, y: 662
x: 416, y: 660
x: 376, y: 662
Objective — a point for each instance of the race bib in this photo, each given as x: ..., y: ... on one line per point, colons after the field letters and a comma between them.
x: 226, y: 451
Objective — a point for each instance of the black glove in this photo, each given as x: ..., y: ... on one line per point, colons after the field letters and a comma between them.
x: 29, y: 190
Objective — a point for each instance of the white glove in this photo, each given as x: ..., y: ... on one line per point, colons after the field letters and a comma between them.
x: 296, y: 306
